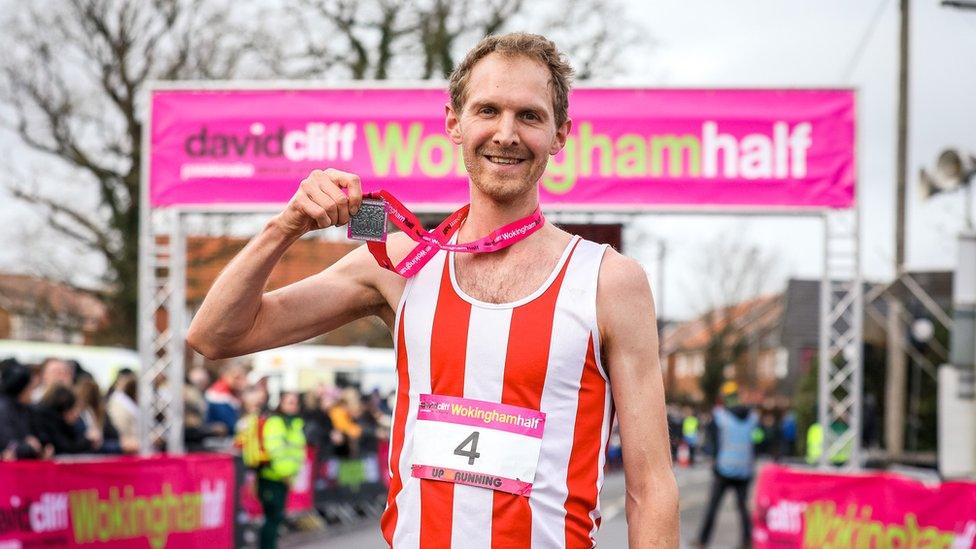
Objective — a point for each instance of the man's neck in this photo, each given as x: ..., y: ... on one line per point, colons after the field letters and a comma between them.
x: 487, y: 215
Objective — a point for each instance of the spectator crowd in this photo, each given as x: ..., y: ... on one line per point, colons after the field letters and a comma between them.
x: 56, y: 409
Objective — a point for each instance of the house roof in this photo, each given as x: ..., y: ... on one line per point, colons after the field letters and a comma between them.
x: 207, y: 256
x: 755, y: 316
x: 22, y: 294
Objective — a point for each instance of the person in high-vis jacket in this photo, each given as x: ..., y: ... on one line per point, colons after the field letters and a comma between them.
x: 689, y: 432
x: 283, y: 438
x: 815, y: 444
x: 735, y: 459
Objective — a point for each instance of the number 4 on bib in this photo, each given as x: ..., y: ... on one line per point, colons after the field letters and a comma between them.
x: 473, y: 453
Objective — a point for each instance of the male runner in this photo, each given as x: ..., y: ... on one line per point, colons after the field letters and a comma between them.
x: 511, y: 364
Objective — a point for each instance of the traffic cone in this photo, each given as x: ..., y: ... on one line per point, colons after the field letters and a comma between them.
x: 684, y: 455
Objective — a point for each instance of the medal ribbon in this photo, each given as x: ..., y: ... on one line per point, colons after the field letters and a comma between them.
x: 430, y: 242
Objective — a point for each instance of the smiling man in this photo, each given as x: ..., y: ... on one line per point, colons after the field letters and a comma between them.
x: 511, y: 363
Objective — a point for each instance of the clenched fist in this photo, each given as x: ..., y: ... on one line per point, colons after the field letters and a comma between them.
x: 320, y: 202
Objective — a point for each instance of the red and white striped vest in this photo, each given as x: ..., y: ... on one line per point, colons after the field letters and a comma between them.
x: 541, y: 352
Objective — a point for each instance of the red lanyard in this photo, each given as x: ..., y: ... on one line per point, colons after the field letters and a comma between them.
x: 430, y: 242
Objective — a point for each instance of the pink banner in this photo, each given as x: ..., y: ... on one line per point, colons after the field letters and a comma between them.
x: 810, y: 509
x: 629, y: 148
x: 126, y: 502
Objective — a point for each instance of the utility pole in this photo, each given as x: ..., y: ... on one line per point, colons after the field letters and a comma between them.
x: 897, y: 371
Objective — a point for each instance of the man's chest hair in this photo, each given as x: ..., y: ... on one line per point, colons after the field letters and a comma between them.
x: 504, y: 282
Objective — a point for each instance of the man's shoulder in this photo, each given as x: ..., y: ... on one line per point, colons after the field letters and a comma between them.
x: 623, y: 294
x: 620, y: 274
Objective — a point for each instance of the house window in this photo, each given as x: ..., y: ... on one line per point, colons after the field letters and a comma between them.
x: 782, y: 363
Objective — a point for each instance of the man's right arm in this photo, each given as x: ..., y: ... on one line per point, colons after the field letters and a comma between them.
x: 237, y: 317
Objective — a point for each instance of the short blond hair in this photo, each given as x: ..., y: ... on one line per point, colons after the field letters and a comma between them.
x: 533, y: 46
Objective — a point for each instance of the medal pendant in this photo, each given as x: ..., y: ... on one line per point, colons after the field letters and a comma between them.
x: 369, y: 223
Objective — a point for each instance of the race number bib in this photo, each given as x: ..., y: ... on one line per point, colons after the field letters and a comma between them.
x: 477, y: 443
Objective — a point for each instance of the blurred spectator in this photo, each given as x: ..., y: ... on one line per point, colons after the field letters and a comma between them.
x: 816, y: 442
x: 787, y: 430
x: 199, y: 378
x: 370, y: 419
x: 194, y: 403
x: 250, y: 428
x: 689, y: 432
x: 122, y: 409
x: 120, y: 377
x: 870, y: 422
x: 95, y: 417
x: 343, y: 414
x: 79, y: 372
x: 615, y: 457
x: 91, y: 418
x: 735, y: 461
x: 54, y: 371
x: 195, y: 430
x: 17, y: 381
x: 382, y: 403
x: 223, y: 397
x: 319, y: 430
x: 763, y: 433
x: 284, y: 442
x: 674, y: 429
x: 54, y: 423
x: 707, y: 433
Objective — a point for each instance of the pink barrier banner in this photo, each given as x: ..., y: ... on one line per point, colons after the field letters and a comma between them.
x: 628, y: 148
x: 126, y: 502
x: 812, y: 509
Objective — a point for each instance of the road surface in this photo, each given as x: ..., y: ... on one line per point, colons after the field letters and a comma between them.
x: 693, y: 484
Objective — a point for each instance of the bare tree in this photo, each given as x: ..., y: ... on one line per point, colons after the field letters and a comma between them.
x: 425, y: 38
x: 71, y: 81
x: 732, y: 272
x: 74, y: 71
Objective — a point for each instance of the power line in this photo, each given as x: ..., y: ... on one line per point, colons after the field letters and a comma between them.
x: 961, y: 4
x: 865, y: 40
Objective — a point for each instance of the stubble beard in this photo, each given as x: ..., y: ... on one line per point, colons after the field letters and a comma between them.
x: 502, y: 190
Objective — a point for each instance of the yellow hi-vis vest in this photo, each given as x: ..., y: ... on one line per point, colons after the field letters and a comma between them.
x: 285, y: 445
x: 250, y: 441
x: 814, y: 443
x: 815, y: 440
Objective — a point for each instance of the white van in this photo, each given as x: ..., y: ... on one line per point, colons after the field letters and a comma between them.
x: 102, y: 362
x: 304, y: 368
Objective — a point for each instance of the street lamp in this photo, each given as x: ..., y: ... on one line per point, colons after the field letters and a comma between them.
x: 922, y: 330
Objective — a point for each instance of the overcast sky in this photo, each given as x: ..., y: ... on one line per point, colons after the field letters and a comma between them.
x: 795, y: 44
x: 778, y: 43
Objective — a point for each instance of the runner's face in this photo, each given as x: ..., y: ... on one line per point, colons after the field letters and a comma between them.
x: 506, y: 127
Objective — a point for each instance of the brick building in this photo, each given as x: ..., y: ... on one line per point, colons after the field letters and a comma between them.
x: 36, y: 309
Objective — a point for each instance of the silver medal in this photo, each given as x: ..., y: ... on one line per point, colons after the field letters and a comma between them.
x: 369, y: 223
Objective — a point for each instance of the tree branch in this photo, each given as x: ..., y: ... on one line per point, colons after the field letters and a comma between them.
x: 97, y: 239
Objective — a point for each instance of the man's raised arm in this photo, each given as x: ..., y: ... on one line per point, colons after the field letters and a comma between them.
x: 625, y: 311
x: 237, y: 317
